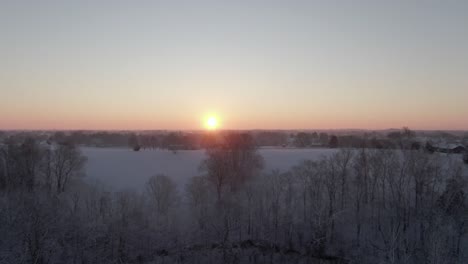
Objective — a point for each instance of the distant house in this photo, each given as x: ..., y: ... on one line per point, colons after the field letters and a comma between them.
x: 459, y: 149
x: 451, y: 148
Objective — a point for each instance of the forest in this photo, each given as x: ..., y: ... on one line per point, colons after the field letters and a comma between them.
x: 360, y: 205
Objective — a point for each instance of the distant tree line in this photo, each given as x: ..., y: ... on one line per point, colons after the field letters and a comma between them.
x: 184, y: 140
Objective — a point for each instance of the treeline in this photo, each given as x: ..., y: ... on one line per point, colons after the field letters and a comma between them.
x: 355, y: 206
x: 185, y: 140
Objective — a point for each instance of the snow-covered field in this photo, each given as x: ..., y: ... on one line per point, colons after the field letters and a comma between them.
x: 121, y: 168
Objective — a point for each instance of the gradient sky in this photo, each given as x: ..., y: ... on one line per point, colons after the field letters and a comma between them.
x: 255, y: 64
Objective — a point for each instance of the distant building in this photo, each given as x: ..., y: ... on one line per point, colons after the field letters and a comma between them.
x: 459, y: 149
x: 454, y: 148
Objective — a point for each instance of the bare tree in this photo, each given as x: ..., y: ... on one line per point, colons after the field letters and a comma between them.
x: 163, y: 192
x: 454, y: 206
x: 343, y: 159
x: 67, y: 162
x: 217, y: 168
x: 232, y: 163
x: 198, y: 194
x: 20, y: 163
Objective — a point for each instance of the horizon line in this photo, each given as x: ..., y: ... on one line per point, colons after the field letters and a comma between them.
x: 226, y: 129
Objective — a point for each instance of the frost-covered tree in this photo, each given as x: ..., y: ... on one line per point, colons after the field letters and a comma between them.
x: 163, y: 192
x: 353, y: 206
x: 66, y: 163
x: 232, y: 163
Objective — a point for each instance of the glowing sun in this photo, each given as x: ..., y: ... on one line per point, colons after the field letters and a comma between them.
x: 212, y: 123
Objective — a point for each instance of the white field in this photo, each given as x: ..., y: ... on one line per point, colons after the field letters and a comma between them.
x: 121, y: 168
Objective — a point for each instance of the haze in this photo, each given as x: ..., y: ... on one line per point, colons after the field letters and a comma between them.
x: 255, y: 64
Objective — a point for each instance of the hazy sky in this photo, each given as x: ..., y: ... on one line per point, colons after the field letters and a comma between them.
x: 255, y: 64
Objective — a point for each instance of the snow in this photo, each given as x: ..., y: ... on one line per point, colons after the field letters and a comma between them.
x: 121, y: 168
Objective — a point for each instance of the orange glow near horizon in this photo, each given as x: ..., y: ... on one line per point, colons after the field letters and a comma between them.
x: 100, y: 120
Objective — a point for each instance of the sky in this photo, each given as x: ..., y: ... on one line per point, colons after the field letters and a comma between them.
x: 254, y: 64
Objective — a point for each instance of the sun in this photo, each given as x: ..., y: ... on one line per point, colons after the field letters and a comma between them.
x: 212, y: 123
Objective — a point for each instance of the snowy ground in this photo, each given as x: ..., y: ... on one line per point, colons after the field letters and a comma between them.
x: 121, y: 168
